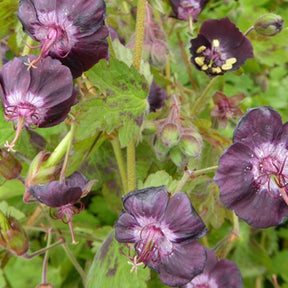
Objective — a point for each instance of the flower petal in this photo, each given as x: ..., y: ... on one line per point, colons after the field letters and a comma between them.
x: 146, y: 205
x: 127, y: 229
x: 187, y: 261
x: 259, y: 125
x: 182, y: 219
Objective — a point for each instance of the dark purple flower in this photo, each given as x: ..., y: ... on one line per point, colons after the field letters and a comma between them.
x: 63, y: 196
x: 226, y: 108
x: 156, y: 97
x: 217, y: 274
x: 184, y: 9
x: 39, y: 97
x: 164, y: 231
x: 220, y: 47
x: 73, y: 32
x: 253, y: 172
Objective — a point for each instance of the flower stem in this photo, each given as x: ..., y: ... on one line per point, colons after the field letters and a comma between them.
x: 120, y: 162
x: 67, y: 154
x: 200, y: 100
x: 27, y: 46
x: 46, y: 257
x: 249, y: 30
x: 186, y: 61
x: 140, y: 19
x: 188, y: 173
x: 75, y: 263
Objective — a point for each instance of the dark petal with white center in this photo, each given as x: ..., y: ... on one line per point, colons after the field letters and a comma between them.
x: 182, y: 219
x: 187, y: 261
x: 148, y: 203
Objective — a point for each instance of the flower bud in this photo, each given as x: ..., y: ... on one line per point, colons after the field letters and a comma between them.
x: 177, y: 157
x: 158, y: 53
x: 13, y: 236
x: 190, y: 143
x: 10, y: 167
x: 169, y: 135
x: 161, y: 150
x: 269, y: 24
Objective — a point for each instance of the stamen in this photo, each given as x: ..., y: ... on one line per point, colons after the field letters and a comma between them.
x: 135, y: 264
x: 216, y: 43
x: 226, y: 67
x: 216, y: 70
x: 201, y: 49
x: 200, y: 60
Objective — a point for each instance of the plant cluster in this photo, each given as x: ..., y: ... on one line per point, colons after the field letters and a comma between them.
x: 173, y: 110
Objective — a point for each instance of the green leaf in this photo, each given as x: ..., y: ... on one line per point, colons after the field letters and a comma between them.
x: 8, y: 17
x: 10, y: 210
x: 110, y: 268
x: 122, y: 101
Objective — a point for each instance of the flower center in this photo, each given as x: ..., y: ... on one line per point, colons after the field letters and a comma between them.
x: 25, y: 110
x: 271, y: 172
x: 152, y: 246
x: 213, y: 59
x: 203, y: 281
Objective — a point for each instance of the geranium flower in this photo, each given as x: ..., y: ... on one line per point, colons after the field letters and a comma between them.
x: 63, y: 196
x: 183, y: 9
x: 72, y: 32
x: 253, y: 172
x: 220, y: 47
x: 164, y: 231
x: 39, y: 97
x: 217, y: 274
x: 226, y: 108
x: 156, y: 97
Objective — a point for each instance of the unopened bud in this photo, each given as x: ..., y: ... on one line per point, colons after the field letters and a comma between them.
x: 191, y: 143
x: 268, y: 24
x: 13, y: 236
x: 177, y: 157
x: 158, y: 53
x: 161, y: 150
x: 10, y: 167
x: 169, y: 135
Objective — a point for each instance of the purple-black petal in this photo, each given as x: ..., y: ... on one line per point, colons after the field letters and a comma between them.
x: 182, y: 219
x: 127, y: 229
x: 187, y: 261
x: 55, y: 194
x: 146, y: 204
x: 156, y: 97
x: 259, y: 125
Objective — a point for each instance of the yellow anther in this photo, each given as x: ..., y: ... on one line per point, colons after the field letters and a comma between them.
x: 200, y: 61
x: 231, y: 61
x: 226, y: 66
x: 216, y: 70
x: 204, y: 67
x: 201, y: 49
x: 215, y: 43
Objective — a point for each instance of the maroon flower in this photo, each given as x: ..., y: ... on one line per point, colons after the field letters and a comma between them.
x: 184, y: 9
x: 253, y: 172
x: 164, y: 231
x: 39, y: 97
x: 63, y: 196
x: 226, y: 108
x: 156, y: 97
x: 217, y: 274
x: 220, y: 47
x: 72, y: 32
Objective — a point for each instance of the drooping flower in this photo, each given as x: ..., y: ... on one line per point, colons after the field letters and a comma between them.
x: 217, y: 274
x: 39, y: 97
x: 253, y: 172
x: 220, y: 47
x: 156, y: 97
x: 63, y: 196
x: 184, y: 9
x: 164, y: 231
x: 72, y: 32
x: 226, y: 108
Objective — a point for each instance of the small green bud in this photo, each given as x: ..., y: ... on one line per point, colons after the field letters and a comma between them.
x: 191, y: 143
x: 161, y: 150
x: 269, y: 24
x: 10, y: 167
x: 177, y: 157
x: 13, y: 236
x: 169, y: 135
